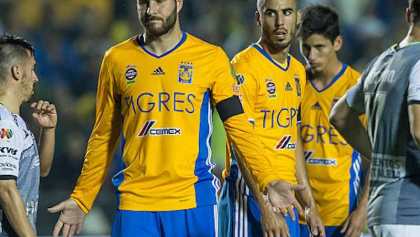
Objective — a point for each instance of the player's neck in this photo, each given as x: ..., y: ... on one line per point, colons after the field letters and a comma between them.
x: 11, y: 102
x: 413, y: 36
x: 163, y: 43
x: 279, y: 55
x: 325, y: 77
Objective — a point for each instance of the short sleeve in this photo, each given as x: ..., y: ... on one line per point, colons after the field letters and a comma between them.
x: 413, y: 95
x: 11, y: 148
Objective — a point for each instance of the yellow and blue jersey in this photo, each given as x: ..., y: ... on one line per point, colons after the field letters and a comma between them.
x: 333, y: 167
x: 271, y: 95
x: 161, y: 107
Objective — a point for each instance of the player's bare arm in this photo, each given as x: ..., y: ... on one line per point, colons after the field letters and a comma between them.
x: 348, y: 124
x: 305, y: 196
x: 354, y: 224
x: 45, y: 116
x: 414, y: 115
x: 272, y: 223
x: 13, y: 207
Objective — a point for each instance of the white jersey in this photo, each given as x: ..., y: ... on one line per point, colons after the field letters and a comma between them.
x: 19, y: 160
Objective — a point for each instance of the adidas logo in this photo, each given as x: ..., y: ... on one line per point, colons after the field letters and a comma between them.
x: 316, y: 106
x: 288, y: 87
x: 158, y: 72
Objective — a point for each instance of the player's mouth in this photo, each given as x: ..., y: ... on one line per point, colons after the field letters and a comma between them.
x: 315, y: 65
x: 153, y: 20
x: 280, y: 34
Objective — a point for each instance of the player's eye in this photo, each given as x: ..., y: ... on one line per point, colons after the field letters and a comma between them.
x: 270, y: 13
x: 288, y: 12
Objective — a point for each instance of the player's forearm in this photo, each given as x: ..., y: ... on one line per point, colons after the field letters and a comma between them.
x: 100, y: 150
x: 252, y: 184
x: 364, y: 197
x: 14, y: 209
x: 47, y: 146
x: 305, y: 195
x: 251, y: 150
x: 348, y: 124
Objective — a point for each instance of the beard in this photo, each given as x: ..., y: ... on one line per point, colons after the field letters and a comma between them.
x: 276, y: 44
x: 28, y: 91
x: 162, y: 28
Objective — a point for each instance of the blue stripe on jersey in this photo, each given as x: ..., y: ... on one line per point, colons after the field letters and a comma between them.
x: 355, y: 179
x: 207, y: 184
x: 334, y: 80
x: 118, y: 177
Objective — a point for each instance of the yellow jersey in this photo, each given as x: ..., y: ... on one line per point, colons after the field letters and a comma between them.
x: 333, y: 167
x: 161, y: 107
x: 271, y: 95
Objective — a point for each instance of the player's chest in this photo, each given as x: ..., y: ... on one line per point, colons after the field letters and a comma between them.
x: 278, y: 91
x: 155, y: 76
x: 317, y: 101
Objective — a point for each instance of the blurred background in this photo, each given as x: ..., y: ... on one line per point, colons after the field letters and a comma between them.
x: 71, y: 37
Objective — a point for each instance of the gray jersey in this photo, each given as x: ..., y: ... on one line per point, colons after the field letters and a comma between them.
x: 19, y: 160
x: 384, y: 93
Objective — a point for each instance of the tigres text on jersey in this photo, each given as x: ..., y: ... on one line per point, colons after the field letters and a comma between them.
x: 332, y: 165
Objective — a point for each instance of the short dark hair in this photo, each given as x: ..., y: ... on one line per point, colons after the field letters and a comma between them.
x: 13, y: 48
x: 319, y: 19
x: 414, y: 6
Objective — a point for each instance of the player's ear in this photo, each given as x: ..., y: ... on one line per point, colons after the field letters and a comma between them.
x: 179, y: 5
x: 338, y: 43
x: 17, y: 72
x: 258, y: 17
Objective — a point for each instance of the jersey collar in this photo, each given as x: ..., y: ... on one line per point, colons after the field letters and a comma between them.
x: 140, y: 41
x: 268, y: 56
x: 334, y: 80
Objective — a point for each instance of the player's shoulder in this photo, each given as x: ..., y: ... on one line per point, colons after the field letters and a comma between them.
x: 297, y: 69
x: 9, y: 130
x: 201, y: 45
x: 122, y: 47
x: 352, y: 74
x: 245, y: 58
x: 297, y: 65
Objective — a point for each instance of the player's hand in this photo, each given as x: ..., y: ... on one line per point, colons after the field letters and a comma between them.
x: 71, y: 218
x: 273, y: 224
x: 44, y: 114
x: 282, y: 197
x: 355, y: 223
x: 314, y: 222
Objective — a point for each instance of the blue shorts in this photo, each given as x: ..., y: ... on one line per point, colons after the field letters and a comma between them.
x: 196, y: 222
x: 330, y: 231
x: 239, y: 214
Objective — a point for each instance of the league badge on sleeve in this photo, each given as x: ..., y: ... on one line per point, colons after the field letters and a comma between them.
x: 185, y: 73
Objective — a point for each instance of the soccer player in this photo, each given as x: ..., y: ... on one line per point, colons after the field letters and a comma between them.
x: 21, y: 165
x: 157, y: 90
x: 271, y: 83
x: 333, y: 167
x: 388, y: 93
